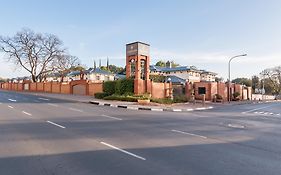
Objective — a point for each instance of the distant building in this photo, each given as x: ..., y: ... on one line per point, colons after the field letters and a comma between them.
x: 91, y: 75
x: 187, y: 73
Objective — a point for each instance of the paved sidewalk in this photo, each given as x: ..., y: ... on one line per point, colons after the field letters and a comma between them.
x: 180, y: 107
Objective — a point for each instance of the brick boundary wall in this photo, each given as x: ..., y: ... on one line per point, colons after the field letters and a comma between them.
x: 53, y: 87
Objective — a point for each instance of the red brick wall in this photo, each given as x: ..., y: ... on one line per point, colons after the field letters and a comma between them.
x: 65, y: 88
x: 205, y: 85
x: 95, y: 88
x: 158, y: 90
x: 32, y: 86
x: 40, y: 86
x: 48, y: 87
x: 222, y: 90
x: 55, y: 87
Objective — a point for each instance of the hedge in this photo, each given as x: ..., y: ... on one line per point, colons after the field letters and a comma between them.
x: 101, y: 95
x: 121, y: 98
x: 109, y: 87
x: 123, y: 86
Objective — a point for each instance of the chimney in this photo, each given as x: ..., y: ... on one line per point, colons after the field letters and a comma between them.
x: 168, y: 64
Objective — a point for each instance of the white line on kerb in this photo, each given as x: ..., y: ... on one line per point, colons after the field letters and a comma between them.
x: 51, y: 104
x: 123, y: 151
x: 155, y: 109
x: 115, y: 118
x: 12, y: 100
x: 45, y: 99
x: 189, y: 109
x: 200, y: 108
x: 55, y: 124
x: 11, y: 107
x: 77, y: 110
x: 189, y: 134
x: 26, y: 113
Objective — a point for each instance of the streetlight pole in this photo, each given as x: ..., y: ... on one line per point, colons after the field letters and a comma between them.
x: 229, y: 93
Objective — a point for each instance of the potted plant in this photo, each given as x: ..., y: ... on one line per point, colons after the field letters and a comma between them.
x: 236, y: 96
x: 144, y: 99
x: 218, y: 98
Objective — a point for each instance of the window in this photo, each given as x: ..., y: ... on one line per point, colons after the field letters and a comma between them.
x: 201, y: 90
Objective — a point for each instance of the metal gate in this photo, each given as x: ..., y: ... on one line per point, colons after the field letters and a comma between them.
x: 79, y: 89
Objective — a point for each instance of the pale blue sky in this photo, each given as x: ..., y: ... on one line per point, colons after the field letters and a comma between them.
x: 204, y: 33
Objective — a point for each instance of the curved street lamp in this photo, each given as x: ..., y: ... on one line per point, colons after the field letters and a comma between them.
x: 229, y: 93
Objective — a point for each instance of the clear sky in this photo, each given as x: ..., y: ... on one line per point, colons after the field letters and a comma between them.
x: 203, y: 33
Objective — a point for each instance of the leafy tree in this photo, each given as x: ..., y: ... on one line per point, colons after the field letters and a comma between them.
x: 219, y: 79
x: 35, y: 52
x: 112, y: 68
x: 245, y: 81
x: 273, y: 75
x: 160, y: 64
x: 2, y: 80
x: 163, y: 64
x: 255, y: 83
x: 174, y: 64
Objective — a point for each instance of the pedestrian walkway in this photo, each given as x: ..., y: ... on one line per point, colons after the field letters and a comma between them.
x: 179, y: 107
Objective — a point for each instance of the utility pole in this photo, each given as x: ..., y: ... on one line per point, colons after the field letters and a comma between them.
x: 229, y: 81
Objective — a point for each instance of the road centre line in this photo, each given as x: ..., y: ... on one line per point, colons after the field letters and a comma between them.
x: 182, y: 132
x: 236, y: 126
x: 26, y: 113
x: 11, y: 107
x: 123, y: 151
x: 55, y: 124
x: 13, y: 100
x: 73, y: 109
x: 115, y: 118
x: 51, y: 104
x: 45, y: 99
x: 257, y: 109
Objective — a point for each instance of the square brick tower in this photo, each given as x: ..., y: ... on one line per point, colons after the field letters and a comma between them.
x: 137, y: 66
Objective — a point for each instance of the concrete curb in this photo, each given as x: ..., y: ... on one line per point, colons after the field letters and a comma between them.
x: 149, y: 108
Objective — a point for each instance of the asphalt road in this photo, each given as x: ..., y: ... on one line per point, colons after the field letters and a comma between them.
x: 49, y: 136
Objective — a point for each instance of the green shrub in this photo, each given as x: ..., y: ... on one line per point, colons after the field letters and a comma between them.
x: 180, y: 99
x: 118, y: 87
x: 109, y: 87
x: 162, y: 100
x: 121, y: 98
x: 157, y: 78
x: 101, y: 95
x: 123, y: 86
x: 218, y: 96
x: 126, y: 86
x: 236, y: 94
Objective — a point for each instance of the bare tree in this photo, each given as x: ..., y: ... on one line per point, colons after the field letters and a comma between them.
x: 274, y: 76
x: 34, y: 52
x: 64, y: 64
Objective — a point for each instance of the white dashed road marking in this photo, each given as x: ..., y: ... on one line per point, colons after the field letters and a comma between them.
x: 77, y: 110
x: 55, y: 124
x: 236, y: 126
x: 123, y: 151
x: 45, y: 99
x: 12, y: 100
x: 252, y: 110
x: 26, y: 113
x: 11, y: 107
x: 115, y: 118
x: 191, y: 134
x: 51, y: 104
